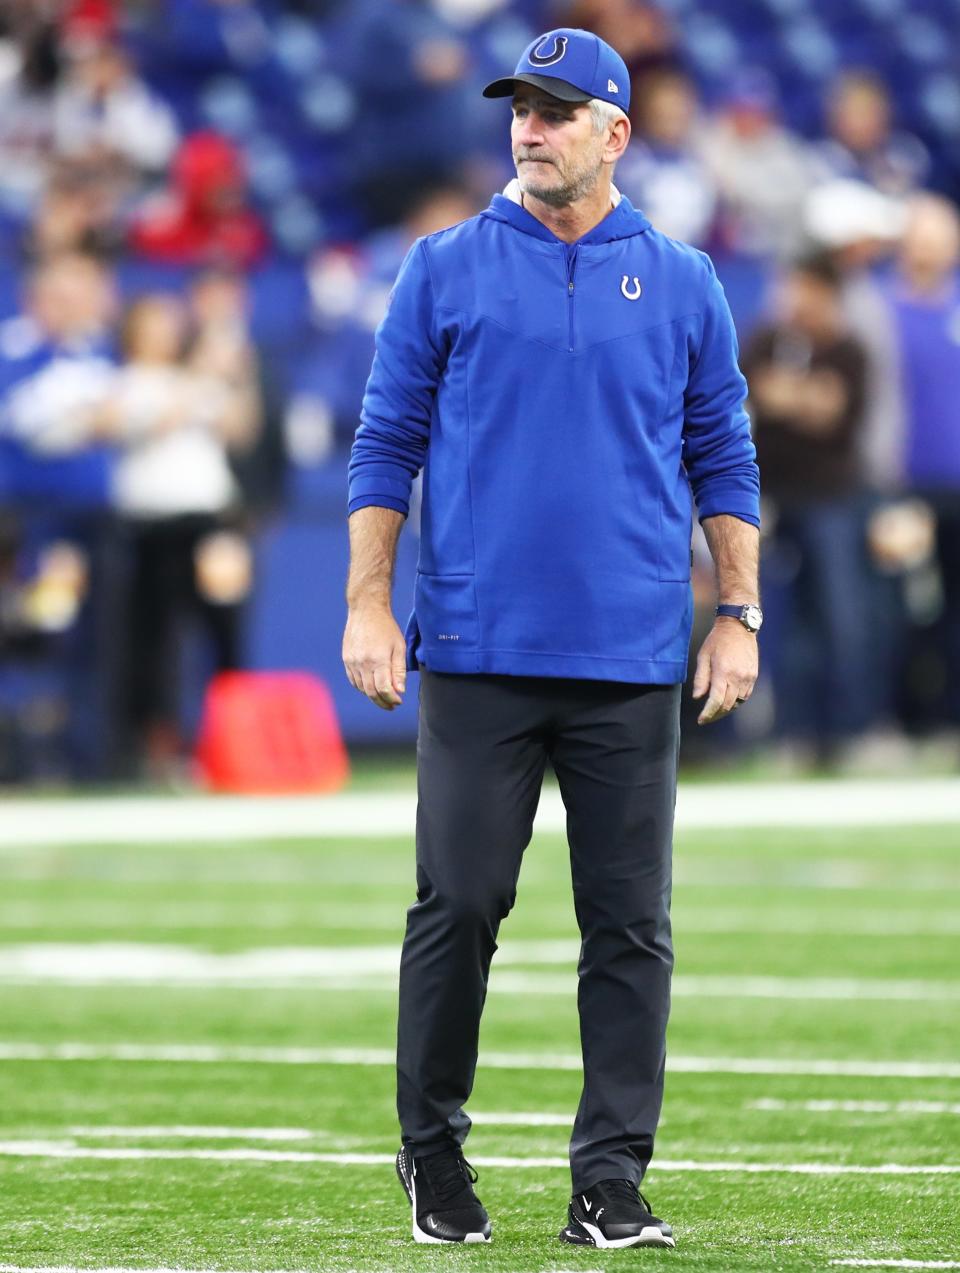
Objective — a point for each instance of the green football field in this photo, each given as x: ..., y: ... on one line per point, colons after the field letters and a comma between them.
x: 195, y: 1047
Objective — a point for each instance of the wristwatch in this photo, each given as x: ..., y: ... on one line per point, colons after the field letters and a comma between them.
x: 749, y: 615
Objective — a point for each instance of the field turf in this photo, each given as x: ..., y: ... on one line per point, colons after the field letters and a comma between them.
x: 272, y: 1148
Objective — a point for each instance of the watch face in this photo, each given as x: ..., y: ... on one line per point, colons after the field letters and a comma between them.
x: 753, y: 617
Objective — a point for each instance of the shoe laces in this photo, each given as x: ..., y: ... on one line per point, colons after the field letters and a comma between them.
x: 448, y: 1172
x: 623, y: 1189
x: 626, y: 1191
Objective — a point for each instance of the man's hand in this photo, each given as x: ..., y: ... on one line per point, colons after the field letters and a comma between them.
x: 375, y: 655
x: 726, y: 669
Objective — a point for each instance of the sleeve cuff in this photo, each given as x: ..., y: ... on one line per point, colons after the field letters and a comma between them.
x: 378, y: 501
x: 743, y: 515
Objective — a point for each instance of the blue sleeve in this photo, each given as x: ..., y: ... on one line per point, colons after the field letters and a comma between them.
x: 391, y: 442
x: 718, y: 452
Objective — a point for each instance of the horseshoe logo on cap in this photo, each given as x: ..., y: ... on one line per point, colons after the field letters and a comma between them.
x: 549, y: 57
x: 631, y: 293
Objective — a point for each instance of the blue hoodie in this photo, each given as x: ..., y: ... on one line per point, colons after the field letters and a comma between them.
x: 567, y: 403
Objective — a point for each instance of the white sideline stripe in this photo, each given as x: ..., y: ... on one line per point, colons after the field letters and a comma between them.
x: 86, y: 1268
x: 856, y: 1107
x: 205, y: 1133
x: 238, y: 1054
x: 529, y: 1118
x: 66, y: 1149
x: 138, y: 819
x: 521, y: 1120
x: 82, y: 912
x: 897, y: 1264
x: 374, y: 968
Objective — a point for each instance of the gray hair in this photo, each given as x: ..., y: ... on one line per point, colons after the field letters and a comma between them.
x: 604, y: 113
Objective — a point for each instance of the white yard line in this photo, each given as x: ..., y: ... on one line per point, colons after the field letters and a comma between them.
x: 136, y: 819
x: 197, y: 1133
x: 896, y: 1264
x: 238, y: 1054
x: 529, y: 1119
x: 856, y: 1107
x: 68, y: 1150
x: 86, y: 1268
x: 374, y: 968
x: 253, y: 914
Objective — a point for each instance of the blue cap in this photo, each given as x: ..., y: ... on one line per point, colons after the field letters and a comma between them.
x: 571, y: 64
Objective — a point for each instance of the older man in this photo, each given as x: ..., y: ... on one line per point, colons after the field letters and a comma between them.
x: 565, y: 375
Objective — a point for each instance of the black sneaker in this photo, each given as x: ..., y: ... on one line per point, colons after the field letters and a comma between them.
x: 440, y: 1190
x: 614, y: 1213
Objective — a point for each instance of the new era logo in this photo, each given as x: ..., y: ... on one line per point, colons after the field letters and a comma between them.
x: 611, y: 87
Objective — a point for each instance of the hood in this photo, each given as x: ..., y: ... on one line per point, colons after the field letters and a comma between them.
x: 623, y: 221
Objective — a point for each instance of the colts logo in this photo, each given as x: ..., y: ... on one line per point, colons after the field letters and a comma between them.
x: 631, y: 293
x: 549, y: 56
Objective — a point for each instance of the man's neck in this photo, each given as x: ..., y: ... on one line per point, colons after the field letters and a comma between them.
x: 573, y: 220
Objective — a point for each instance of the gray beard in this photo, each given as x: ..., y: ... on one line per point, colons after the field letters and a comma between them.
x: 562, y: 196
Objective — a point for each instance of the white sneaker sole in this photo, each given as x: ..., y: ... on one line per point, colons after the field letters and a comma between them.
x: 650, y: 1236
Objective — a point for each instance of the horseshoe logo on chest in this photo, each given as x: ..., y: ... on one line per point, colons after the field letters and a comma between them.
x: 631, y: 293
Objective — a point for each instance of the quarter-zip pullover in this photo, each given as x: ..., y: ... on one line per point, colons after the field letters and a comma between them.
x: 568, y: 403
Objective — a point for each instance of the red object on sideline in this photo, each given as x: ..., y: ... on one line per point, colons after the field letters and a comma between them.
x: 271, y: 732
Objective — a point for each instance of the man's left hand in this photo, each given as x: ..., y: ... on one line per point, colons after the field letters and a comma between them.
x: 726, y: 669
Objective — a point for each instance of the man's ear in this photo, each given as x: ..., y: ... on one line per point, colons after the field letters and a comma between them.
x: 617, y: 141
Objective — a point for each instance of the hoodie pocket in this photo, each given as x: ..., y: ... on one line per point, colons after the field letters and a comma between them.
x: 446, y: 608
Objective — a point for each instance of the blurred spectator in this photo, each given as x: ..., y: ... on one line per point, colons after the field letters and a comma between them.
x: 925, y: 297
x: 223, y: 349
x: 59, y: 362
x: 56, y: 364
x: 807, y: 380
x: 175, y: 425
x: 860, y: 228
x: 70, y: 217
x: 862, y: 144
x: 204, y: 219
x: 761, y: 169
x: 413, y: 128
x: 661, y: 171
x: 28, y: 72
x: 105, y: 118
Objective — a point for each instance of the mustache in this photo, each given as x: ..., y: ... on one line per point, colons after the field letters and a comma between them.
x: 519, y: 155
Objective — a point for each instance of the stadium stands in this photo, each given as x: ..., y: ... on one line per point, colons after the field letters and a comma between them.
x: 326, y: 137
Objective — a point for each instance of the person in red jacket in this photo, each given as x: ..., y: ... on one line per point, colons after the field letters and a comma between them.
x: 203, y: 219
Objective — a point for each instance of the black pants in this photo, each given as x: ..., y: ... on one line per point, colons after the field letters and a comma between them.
x: 164, y: 592
x: 483, y: 746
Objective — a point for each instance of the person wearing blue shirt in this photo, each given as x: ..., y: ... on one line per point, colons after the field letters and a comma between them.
x: 566, y: 378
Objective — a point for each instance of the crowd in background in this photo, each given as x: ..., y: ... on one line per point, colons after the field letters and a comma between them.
x: 203, y: 205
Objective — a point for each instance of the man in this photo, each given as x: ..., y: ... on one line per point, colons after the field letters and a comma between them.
x: 924, y: 296
x: 808, y: 378
x: 564, y: 374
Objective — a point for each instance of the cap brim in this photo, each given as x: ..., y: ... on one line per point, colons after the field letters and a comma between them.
x: 546, y: 83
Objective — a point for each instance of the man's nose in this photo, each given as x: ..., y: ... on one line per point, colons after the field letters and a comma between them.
x: 529, y: 131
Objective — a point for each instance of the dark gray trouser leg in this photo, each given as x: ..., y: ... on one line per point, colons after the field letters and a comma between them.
x: 616, y: 762
x: 481, y: 754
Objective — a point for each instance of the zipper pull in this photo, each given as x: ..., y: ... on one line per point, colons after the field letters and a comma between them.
x: 570, y: 287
